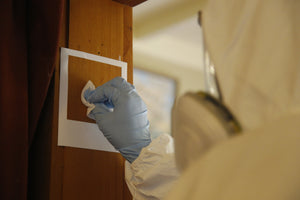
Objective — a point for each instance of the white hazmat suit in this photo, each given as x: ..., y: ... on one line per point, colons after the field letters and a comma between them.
x: 255, y: 46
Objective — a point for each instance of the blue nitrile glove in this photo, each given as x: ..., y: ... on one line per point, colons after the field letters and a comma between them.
x: 121, y: 115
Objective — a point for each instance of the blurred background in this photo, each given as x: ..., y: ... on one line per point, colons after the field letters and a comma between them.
x: 167, y: 55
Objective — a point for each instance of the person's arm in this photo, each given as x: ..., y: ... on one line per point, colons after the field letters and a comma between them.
x: 153, y: 173
x: 122, y: 117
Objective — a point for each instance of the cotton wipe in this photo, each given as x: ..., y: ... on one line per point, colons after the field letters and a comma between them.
x: 88, y: 86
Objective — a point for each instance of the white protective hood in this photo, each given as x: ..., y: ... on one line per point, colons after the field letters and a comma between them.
x: 255, y: 46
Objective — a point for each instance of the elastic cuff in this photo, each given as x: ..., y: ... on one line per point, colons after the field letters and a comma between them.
x: 132, y: 152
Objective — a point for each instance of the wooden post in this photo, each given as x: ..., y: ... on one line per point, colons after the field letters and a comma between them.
x: 101, y: 27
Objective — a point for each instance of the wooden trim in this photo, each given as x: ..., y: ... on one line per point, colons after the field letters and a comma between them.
x: 57, y: 153
x: 127, y: 48
x: 130, y: 3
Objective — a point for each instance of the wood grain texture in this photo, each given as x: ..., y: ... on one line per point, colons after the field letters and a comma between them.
x: 127, y: 42
x: 57, y: 152
x: 80, y: 71
x: 100, y: 27
x: 91, y: 174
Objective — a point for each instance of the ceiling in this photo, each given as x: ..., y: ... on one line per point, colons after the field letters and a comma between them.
x: 167, y: 31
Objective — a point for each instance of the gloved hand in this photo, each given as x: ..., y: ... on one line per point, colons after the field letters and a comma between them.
x: 121, y: 115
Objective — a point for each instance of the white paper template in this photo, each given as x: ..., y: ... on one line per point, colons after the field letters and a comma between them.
x: 76, y: 133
